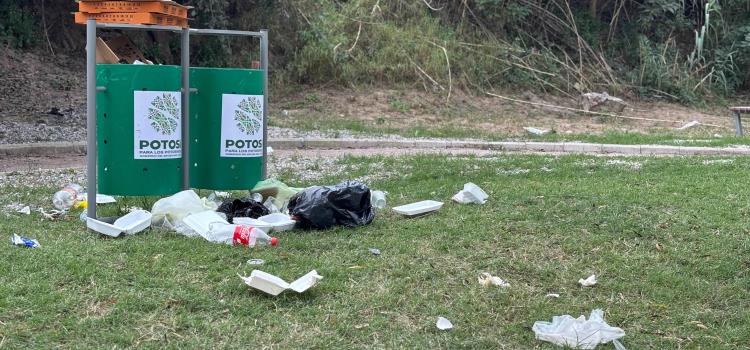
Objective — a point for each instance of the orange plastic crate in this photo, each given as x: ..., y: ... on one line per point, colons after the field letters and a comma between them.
x: 132, y: 18
x: 163, y: 7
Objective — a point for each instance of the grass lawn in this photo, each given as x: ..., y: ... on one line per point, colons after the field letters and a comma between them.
x: 667, y: 238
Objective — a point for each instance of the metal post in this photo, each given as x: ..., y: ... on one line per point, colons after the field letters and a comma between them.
x: 264, y: 67
x: 185, y: 62
x: 737, y: 124
x: 91, y: 155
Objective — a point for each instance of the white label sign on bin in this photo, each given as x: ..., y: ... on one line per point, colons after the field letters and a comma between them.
x: 157, y: 118
x: 241, y: 125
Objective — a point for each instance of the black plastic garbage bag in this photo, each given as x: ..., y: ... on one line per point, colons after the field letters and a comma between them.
x: 322, y: 207
x: 242, y: 208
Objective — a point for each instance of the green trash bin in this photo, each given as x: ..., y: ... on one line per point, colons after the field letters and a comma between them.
x: 226, y: 128
x: 139, y: 129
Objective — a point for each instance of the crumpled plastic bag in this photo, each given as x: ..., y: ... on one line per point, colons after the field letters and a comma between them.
x: 321, y: 207
x: 242, y: 208
x: 277, y: 189
x: 170, y: 211
x: 577, y: 333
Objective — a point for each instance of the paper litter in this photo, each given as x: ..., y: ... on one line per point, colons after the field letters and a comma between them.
x: 577, y: 333
x: 486, y: 280
x: 588, y: 282
x: 443, y: 324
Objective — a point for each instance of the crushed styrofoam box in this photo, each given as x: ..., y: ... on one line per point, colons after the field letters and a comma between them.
x: 130, y: 224
x: 471, y: 194
x: 418, y: 208
x: 274, y: 285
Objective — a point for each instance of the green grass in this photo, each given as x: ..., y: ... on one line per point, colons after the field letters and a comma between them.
x: 667, y: 238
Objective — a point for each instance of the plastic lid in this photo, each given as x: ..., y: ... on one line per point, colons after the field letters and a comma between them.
x: 274, y: 241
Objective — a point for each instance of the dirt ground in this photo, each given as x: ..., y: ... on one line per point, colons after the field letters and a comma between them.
x: 42, y: 98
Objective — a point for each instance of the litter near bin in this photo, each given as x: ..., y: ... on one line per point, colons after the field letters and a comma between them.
x: 274, y: 285
x: 100, y: 198
x: 129, y: 224
x: 278, y: 221
x: 322, y: 207
x: 256, y: 262
x: 201, y: 222
x: 486, y: 280
x: 19, y: 208
x: 67, y: 197
x: 239, y: 235
x: 276, y: 189
x: 25, y: 210
x: 418, y: 208
x: 471, y: 194
x: 577, y: 333
x: 443, y: 324
x: 375, y: 251
x: 170, y: 211
x: 242, y: 208
x: 588, y: 282
x: 377, y: 198
x: 267, y: 227
x: 24, y: 242
x: 52, y: 214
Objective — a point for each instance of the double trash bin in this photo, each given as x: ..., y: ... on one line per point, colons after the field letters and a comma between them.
x: 139, y: 122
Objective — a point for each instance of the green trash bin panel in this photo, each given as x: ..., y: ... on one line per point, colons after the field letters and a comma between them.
x: 139, y: 129
x: 226, y: 128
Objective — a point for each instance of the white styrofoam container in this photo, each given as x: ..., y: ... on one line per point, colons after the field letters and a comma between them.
x: 103, y: 227
x: 131, y: 224
x: 273, y: 285
x: 201, y: 222
x: 265, y: 226
x: 418, y: 208
x: 134, y: 222
x: 279, y: 221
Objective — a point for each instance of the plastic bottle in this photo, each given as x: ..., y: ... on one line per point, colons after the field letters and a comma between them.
x: 239, y: 235
x: 67, y: 197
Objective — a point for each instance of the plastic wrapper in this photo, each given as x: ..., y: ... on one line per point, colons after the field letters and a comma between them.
x: 242, y: 208
x: 321, y: 207
x: 577, y: 333
x: 171, y: 210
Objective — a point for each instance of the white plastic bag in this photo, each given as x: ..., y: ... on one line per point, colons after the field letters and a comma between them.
x: 171, y: 210
x: 577, y: 333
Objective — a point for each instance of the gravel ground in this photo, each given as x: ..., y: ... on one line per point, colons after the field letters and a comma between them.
x: 64, y: 128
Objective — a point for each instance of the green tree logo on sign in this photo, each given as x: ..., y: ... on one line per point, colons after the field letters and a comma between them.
x: 248, y: 115
x: 164, y: 114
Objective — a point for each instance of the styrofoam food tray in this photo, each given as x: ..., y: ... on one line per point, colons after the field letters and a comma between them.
x: 265, y: 226
x: 418, y: 208
x: 279, y: 221
x: 134, y: 222
x: 201, y: 222
x: 103, y: 227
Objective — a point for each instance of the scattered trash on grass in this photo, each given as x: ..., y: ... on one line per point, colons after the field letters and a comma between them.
x: 65, y: 199
x: 553, y: 295
x: 537, y: 131
x: 24, y: 242
x: 377, y: 198
x: 278, y: 221
x: 254, y: 223
x: 52, y: 214
x: 486, y: 280
x: 273, y: 285
x: 238, y: 235
x: 588, y: 282
x: 100, y: 198
x: 200, y: 223
x: 129, y: 224
x: 247, y: 208
x: 344, y: 204
x: 471, y: 194
x: 375, y: 251
x: 170, y: 211
x: 443, y: 324
x: 418, y: 208
x: 277, y: 189
x: 256, y: 262
x: 577, y: 333
x: 689, y: 125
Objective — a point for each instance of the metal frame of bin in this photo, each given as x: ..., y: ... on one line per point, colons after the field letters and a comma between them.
x: 92, y: 89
